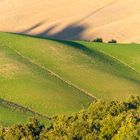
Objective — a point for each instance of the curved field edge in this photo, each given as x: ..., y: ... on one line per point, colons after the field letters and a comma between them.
x: 106, y: 58
x: 129, y: 54
x: 57, y: 76
x: 12, y: 113
x: 97, y: 48
x: 17, y: 107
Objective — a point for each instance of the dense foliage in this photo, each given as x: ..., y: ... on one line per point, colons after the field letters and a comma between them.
x: 102, y: 120
x: 98, y: 40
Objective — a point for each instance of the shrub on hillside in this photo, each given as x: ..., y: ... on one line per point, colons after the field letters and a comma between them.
x: 112, y: 41
x: 98, y: 40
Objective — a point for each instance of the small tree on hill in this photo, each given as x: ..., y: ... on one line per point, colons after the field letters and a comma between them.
x: 112, y: 41
x: 98, y: 40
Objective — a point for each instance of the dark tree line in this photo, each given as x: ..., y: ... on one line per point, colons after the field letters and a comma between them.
x: 100, y: 40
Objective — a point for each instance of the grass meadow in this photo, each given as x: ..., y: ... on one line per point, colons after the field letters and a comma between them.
x: 62, y: 77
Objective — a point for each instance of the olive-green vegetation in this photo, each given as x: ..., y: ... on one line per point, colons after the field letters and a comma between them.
x: 105, y: 120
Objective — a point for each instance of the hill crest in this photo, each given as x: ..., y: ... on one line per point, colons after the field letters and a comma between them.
x: 81, y: 19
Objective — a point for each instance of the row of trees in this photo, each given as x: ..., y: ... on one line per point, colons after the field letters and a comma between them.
x: 103, y: 120
x: 101, y: 40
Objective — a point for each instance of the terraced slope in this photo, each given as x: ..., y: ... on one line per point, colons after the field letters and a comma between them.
x: 70, y: 19
x: 89, y: 69
x: 55, y: 77
x: 31, y: 86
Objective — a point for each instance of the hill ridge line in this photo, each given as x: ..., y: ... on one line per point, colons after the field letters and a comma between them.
x: 10, y: 104
x: 120, y: 61
x: 56, y: 75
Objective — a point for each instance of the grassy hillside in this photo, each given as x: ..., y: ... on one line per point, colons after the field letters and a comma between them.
x: 8, y: 116
x: 83, y: 65
x: 56, y: 77
x: 128, y: 54
x: 31, y: 86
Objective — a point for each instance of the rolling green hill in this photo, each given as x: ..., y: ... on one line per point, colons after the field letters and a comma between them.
x: 61, y: 77
x: 128, y: 54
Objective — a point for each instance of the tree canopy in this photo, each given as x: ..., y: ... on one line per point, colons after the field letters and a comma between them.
x: 105, y: 120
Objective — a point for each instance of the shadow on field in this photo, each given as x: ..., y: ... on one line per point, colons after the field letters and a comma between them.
x: 32, y: 28
x: 73, y: 31
x: 70, y: 32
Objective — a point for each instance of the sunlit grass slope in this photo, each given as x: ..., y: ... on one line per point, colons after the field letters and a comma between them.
x: 129, y: 54
x: 82, y: 64
x: 61, y: 77
x: 29, y: 85
x: 9, y: 116
x: 12, y: 115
